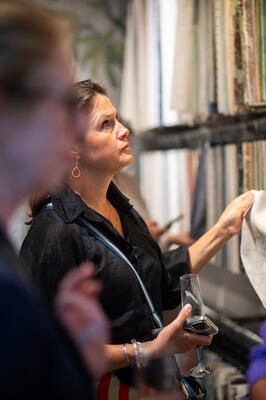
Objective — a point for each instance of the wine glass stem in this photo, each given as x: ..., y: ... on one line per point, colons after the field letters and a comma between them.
x: 199, y: 354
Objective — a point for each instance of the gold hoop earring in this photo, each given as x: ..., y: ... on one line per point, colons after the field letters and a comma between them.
x: 76, y: 171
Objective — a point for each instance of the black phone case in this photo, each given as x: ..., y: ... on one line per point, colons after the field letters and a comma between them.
x: 211, y: 330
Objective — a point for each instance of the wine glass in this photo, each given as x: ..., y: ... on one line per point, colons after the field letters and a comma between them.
x: 191, y: 294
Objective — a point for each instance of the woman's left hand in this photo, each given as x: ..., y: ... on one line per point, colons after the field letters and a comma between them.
x: 230, y: 222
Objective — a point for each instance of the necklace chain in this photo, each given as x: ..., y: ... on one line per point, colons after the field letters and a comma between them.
x: 110, y: 210
x: 113, y: 212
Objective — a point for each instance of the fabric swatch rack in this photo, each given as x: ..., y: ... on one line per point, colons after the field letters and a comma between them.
x: 235, y: 162
x: 223, y: 47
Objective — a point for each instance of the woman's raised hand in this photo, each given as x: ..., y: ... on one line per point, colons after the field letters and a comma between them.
x: 174, y: 339
x: 231, y: 219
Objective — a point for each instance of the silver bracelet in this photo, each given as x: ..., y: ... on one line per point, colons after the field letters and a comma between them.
x: 125, y: 352
x: 138, y: 351
x: 143, y: 355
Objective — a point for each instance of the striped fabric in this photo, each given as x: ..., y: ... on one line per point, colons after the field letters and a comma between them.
x: 110, y: 388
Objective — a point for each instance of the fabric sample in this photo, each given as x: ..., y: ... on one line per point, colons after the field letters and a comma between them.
x: 198, y: 212
x: 253, y: 244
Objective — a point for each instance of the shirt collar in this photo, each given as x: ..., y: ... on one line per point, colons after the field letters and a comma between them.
x: 70, y: 206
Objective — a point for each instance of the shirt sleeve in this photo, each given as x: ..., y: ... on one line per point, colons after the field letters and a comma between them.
x: 48, y: 252
x: 175, y: 264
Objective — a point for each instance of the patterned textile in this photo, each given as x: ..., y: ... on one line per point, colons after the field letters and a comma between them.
x: 110, y: 388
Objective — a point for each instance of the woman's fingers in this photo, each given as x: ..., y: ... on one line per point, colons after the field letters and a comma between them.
x: 248, y: 199
x: 247, y: 195
x: 174, y: 339
x: 245, y: 200
x: 232, y: 217
x: 199, y: 340
x: 182, y: 316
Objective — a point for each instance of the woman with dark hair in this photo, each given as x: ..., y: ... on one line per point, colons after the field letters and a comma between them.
x: 39, y: 126
x: 89, y: 219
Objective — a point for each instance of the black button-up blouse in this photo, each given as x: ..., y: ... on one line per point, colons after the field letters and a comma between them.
x: 56, y: 243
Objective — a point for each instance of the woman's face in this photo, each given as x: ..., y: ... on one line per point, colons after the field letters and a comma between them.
x: 47, y: 129
x: 106, y: 147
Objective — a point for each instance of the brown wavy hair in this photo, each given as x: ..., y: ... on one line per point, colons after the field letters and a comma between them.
x: 84, y: 92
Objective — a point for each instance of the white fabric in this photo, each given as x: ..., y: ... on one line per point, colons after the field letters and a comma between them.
x: 168, y: 20
x: 193, y: 70
x: 231, y: 191
x: 183, y: 78
x: 253, y: 244
x: 140, y: 92
x: 165, y: 179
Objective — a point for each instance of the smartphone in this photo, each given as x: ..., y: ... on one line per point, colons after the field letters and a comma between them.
x: 168, y: 225
x: 201, y: 325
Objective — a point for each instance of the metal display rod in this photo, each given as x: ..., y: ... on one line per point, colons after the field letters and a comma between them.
x: 220, y: 131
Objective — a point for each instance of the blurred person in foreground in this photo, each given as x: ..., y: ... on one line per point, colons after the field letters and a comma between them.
x: 39, y: 357
x: 90, y: 200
